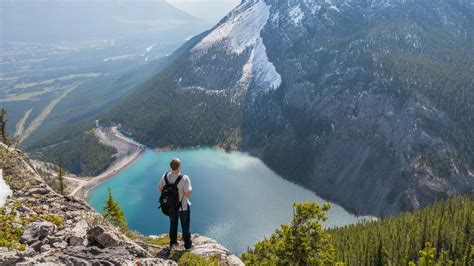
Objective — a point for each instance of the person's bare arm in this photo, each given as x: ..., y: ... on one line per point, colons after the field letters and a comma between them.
x: 160, y: 185
x: 188, y: 188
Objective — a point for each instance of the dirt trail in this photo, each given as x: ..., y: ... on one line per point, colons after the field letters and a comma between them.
x: 20, y: 126
x: 43, y: 115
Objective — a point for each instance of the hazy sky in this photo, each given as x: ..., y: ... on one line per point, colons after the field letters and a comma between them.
x: 210, y: 10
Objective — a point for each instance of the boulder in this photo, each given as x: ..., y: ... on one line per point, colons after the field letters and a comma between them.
x: 234, y: 261
x: 77, y: 241
x: 36, y: 246
x: 8, y: 257
x: 101, y: 237
x: 60, y: 245
x: 78, y: 236
x: 54, y: 239
x: 136, y: 250
x: 45, y: 248
x: 25, y: 210
x: 37, y: 231
x: 203, y: 247
x: 38, y: 191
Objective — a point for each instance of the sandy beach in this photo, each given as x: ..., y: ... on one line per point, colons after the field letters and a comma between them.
x: 128, y: 151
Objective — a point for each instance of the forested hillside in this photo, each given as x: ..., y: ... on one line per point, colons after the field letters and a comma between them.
x: 447, y: 225
x: 441, y: 234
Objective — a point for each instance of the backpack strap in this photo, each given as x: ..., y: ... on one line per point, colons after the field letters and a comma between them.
x: 179, y: 179
x: 166, y: 178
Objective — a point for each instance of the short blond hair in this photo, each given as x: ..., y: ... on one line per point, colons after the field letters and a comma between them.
x: 175, y: 163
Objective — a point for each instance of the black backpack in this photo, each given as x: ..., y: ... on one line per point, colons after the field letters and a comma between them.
x: 169, y: 198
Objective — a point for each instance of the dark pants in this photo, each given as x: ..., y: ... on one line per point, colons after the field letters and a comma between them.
x: 185, y: 218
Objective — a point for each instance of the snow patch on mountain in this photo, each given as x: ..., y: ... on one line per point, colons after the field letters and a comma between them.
x: 313, y: 6
x: 241, y: 29
x: 296, y: 15
x: 264, y: 71
x: 259, y: 68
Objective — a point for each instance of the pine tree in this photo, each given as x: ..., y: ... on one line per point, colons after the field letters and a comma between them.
x: 61, y: 180
x: 113, y: 213
x: 302, y: 242
x: 3, y: 126
x: 427, y: 255
x: 444, y: 259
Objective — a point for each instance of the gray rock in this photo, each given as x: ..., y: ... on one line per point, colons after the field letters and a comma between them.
x: 60, y: 245
x: 54, y: 239
x: 102, y: 237
x: 38, y: 191
x: 28, y: 252
x: 25, y: 210
x: 36, y: 246
x: 8, y: 257
x: 154, y: 261
x: 136, y: 250
x: 81, y: 228
x: 79, y: 232
x: 45, y: 248
x: 37, y: 230
x: 234, y: 260
x: 204, y: 247
x: 75, y: 240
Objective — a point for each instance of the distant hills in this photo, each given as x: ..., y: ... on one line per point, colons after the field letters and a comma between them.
x: 368, y: 103
x: 94, y: 49
x: 58, y: 20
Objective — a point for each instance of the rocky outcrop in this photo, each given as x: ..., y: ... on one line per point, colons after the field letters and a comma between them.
x: 55, y: 229
x: 204, y: 247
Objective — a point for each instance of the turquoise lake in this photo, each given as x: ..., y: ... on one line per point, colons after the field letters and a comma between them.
x: 236, y: 199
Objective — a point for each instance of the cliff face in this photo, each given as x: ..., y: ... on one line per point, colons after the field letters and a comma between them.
x: 42, y: 226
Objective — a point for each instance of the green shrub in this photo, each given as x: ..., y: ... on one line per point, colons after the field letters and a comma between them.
x: 161, y: 241
x: 302, y: 242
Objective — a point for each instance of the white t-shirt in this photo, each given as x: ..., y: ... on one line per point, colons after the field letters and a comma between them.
x: 183, y: 186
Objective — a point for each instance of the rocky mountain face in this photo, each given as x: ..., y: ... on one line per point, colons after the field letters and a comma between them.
x: 367, y: 102
x: 42, y: 226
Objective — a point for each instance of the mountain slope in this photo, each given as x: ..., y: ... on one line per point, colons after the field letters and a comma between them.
x: 368, y: 103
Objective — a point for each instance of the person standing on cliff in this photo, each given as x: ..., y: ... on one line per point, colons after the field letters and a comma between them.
x: 184, y: 213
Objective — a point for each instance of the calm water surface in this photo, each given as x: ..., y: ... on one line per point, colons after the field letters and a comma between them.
x: 236, y: 199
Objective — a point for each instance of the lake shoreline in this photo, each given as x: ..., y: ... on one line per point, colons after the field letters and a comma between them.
x: 134, y: 150
x: 113, y: 170
x: 128, y: 152
x: 220, y: 179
